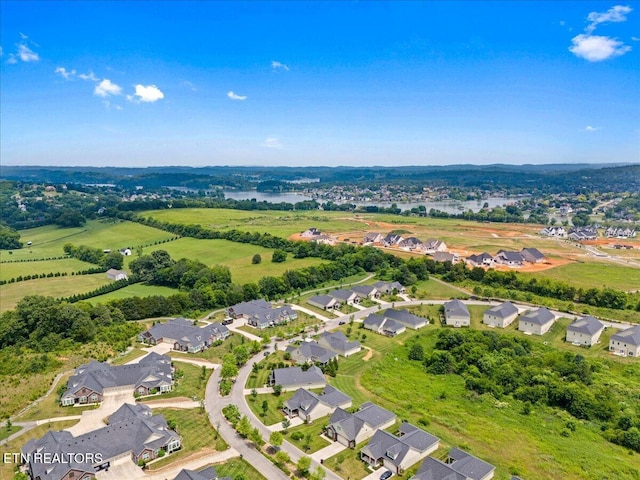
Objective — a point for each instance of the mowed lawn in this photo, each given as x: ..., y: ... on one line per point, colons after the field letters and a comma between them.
x: 48, y: 241
x: 237, y: 256
x: 63, y: 265
x: 55, y: 287
x: 594, y: 275
x: 135, y: 290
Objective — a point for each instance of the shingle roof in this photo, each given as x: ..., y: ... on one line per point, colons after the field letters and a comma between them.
x: 394, y: 449
x: 469, y: 465
x: 531, y: 254
x: 364, y: 290
x: 630, y: 335
x: 343, y: 295
x: 374, y: 321
x: 312, y: 352
x: 515, y: 257
x: 444, y: 257
x: 349, y: 425
x: 503, y: 310
x: 588, y: 325
x: 456, y: 308
x: 307, y: 400
x: 292, y: 376
x: 185, y: 333
x: 338, y: 341
x: 206, y: 474
x: 322, y: 299
x: 404, y: 317
x: 541, y: 316
x: 433, y: 469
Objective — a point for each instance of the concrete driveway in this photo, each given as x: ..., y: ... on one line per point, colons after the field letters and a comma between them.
x: 328, y: 451
x: 93, y: 419
x: 121, y: 469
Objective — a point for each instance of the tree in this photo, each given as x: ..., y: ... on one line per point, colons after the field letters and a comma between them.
x: 70, y: 218
x: 277, y: 390
x: 278, y: 256
x: 318, y: 474
x: 244, y: 427
x: 9, y: 238
x: 416, y: 352
x: 265, y: 408
x: 276, y: 439
x: 303, y: 465
x: 112, y: 260
x: 229, y: 366
x: 286, y: 423
x: 282, y: 458
x: 257, y: 258
x: 256, y: 437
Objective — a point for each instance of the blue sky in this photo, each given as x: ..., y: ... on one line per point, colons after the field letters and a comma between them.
x: 318, y: 83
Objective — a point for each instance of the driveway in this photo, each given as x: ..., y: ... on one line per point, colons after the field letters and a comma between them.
x: 161, y: 349
x: 93, y: 419
x: 328, y: 451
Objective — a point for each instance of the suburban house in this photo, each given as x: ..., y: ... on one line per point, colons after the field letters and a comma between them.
x: 391, y: 239
x: 126, y: 251
x: 310, y: 352
x: 590, y: 232
x: 536, y: 322
x: 309, y: 405
x: 405, y: 318
x: 501, y: 315
x: 352, y: 428
x: 208, y: 473
x: 398, y: 452
x: 626, y: 342
x: 113, y: 274
x: 459, y: 465
x: 383, y: 326
x: 411, y: 243
x: 347, y: 297
x: 482, y: 260
x: 372, y: 237
x: 532, y: 255
x: 310, y: 233
x: 260, y: 314
x: 389, y: 287
x: 133, y: 431
x: 553, y: 232
x: 585, y: 331
x: 456, y: 314
x: 324, y: 302
x: 93, y: 380
x: 293, y: 378
x: 366, y: 291
x: 432, y: 246
x: 613, y: 232
x: 339, y: 343
x: 445, y: 257
x: 184, y: 336
x: 324, y: 239
x: 511, y: 259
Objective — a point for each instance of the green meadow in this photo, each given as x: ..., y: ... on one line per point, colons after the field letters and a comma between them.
x: 64, y: 265
x: 594, y: 275
x: 135, y: 290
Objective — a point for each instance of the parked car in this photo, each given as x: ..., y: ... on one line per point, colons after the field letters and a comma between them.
x: 341, y: 323
x: 386, y: 475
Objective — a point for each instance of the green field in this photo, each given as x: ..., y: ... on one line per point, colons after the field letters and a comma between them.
x: 111, y: 234
x: 55, y: 287
x: 135, y: 290
x: 63, y: 265
x: 594, y: 275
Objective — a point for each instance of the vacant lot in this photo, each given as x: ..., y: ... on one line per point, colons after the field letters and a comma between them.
x: 595, y: 275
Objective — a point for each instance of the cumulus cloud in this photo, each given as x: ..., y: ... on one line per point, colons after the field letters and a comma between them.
x: 589, y: 128
x: 278, y: 65
x: 26, y: 54
x: 148, y: 93
x: 106, y: 88
x: 235, y: 96
x: 64, y: 73
x: 88, y: 76
x: 596, y: 48
x: 272, y: 142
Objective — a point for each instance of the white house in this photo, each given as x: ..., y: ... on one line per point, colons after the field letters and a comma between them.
x: 501, y: 315
x: 626, y: 342
x: 585, y: 331
x: 536, y: 322
x: 457, y: 314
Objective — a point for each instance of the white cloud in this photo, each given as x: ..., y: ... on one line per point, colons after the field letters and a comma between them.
x: 589, y: 128
x: 272, y: 142
x: 106, y: 88
x: 615, y: 14
x: 190, y: 85
x: 88, y: 76
x: 12, y: 59
x: 26, y: 54
x: 234, y: 96
x: 148, y: 94
x: 64, y: 73
x: 276, y: 65
x: 596, y: 48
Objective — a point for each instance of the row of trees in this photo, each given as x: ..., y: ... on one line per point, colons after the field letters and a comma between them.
x: 97, y: 256
x: 505, y: 366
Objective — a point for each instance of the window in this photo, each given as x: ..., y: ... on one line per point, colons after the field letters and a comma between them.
x: 94, y: 398
x: 83, y: 399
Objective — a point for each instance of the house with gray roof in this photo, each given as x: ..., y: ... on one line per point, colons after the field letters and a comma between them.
x: 133, y: 431
x: 366, y: 291
x: 184, y: 336
x: 309, y: 405
x: 585, y: 331
x: 310, y: 352
x: 324, y: 302
x: 433, y: 245
x: 626, y: 342
x: 352, y: 428
x: 532, y: 255
x: 339, y: 343
x: 411, y: 244
x: 405, y: 318
x: 372, y: 237
x: 445, y: 257
x: 391, y: 239
x: 293, y: 378
x: 261, y: 314
x: 91, y: 381
x: 508, y: 258
x: 456, y: 314
x: 347, y: 297
x: 113, y: 274
x: 482, y: 260
x: 501, y: 315
x: 389, y: 287
x: 208, y: 473
x: 383, y: 326
x: 459, y: 465
x: 398, y: 452
x: 536, y: 322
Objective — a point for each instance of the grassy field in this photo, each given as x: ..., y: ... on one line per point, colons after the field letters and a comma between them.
x: 316, y: 441
x: 11, y: 293
x: 191, y: 385
x: 238, y: 468
x: 196, y: 431
x: 432, y: 289
x: 105, y: 234
x: 64, y: 265
x: 594, y: 275
x: 4, y: 432
x: 274, y: 414
x: 135, y: 290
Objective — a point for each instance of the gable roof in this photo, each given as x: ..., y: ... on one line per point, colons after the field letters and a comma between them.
x: 312, y: 352
x: 469, y: 465
x: 589, y: 325
x: 364, y: 290
x: 504, y: 310
x: 444, y: 257
x: 515, y: 257
x: 325, y: 300
x: 630, y: 335
x: 306, y: 400
x: 541, y: 316
x: 456, y: 308
x: 338, y: 341
x: 206, y: 474
x: 185, y: 333
x: 404, y: 317
x: 291, y: 376
x: 342, y: 295
x: 531, y: 254
x: 395, y: 448
x: 373, y: 321
x: 480, y: 258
